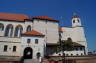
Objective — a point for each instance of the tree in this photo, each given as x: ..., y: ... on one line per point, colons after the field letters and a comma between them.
x: 65, y: 45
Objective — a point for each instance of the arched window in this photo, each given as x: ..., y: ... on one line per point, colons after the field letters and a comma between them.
x: 1, y: 27
x: 9, y: 30
x: 78, y: 20
x: 18, y: 31
x: 38, y: 55
x: 28, y: 28
x: 73, y: 21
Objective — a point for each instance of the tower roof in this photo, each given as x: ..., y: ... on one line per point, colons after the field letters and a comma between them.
x: 75, y: 15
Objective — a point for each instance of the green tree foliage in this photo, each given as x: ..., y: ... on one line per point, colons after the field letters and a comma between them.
x: 65, y: 45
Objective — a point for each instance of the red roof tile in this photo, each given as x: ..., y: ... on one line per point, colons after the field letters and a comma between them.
x: 33, y: 33
x: 45, y: 18
x: 75, y: 16
x: 13, y: 16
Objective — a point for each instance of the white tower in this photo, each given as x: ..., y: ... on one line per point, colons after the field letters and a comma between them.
x: 78, y: 34
x: 76, y: 21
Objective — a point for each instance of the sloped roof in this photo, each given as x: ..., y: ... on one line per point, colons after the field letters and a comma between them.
x: 13, y: 16
x: 54, y: 44
x: 45, y: 18
x: 76, y: 44
x: 33, y: 33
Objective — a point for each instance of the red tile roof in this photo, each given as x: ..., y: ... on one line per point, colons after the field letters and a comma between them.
x: 75, y: 16
x: 33, y: 33
x: 45, y: 18
x: 13, y: 16
x: 22, y: 17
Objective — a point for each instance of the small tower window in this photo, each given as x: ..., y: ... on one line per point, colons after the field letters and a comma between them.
x: 78, y: 20
x: 73, y: 21
x: 36, y: 41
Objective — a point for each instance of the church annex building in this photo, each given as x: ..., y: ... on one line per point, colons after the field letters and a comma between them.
x: 34, y: 37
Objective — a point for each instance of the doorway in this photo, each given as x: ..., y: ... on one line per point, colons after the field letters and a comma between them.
x: 28, y: 53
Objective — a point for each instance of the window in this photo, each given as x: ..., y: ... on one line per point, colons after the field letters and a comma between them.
x: 28, y: 41
x: 77, y: 54
x: 71, y: 54
x: 76, y: 49
x: 1, y: 27
x: 5, y: 48
x: 18, y: 31
x: 9, y: 30
x: 81, y: 48
x: 36, y: 41
x: 73, y: 21
x: 78, y: 20
x: 66, y: 54
x: 38, y: 55
x: 81, y: 54
x: 14, y: 48
x: 28, y: 28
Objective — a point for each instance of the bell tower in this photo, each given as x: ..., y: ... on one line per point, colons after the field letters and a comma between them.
x: 76, y: 22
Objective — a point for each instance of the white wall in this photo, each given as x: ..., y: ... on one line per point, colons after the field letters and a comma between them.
x: 9, y: 51
x: 76, y: 34
x: 12, y: 41
x: 36, y: 47
x: 49, y: 28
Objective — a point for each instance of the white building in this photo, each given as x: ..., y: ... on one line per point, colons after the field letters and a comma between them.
x: 31, y: 37
x: 76, y: 33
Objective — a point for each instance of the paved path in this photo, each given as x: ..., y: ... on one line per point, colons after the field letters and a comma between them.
x: 30, y: 61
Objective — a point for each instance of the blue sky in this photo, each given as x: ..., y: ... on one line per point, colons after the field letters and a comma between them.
x: 86, y: 9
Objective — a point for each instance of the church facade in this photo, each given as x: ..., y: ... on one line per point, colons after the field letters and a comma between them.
x: 30, y: 37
